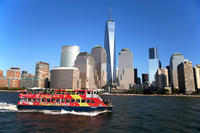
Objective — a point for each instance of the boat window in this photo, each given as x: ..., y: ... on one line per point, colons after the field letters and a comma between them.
x: 73, y: 92
x: 63, y: 100
x: 38, y: 100
x: 43, y: 99
x: 72, y: 100
x: 67, y: 100
x: 29, y: 99
x: 83, y: 93
x: 58, y: 92
x: 34, y: 99
x: 78, y: 100
x: 48, y: 99
x: 53, y: 100
x: 92, y: 101
x: 88, y: 100
x: 82, y: 100
x: 68, y: 92
x: 88, y: 92
x: 80, y: 92
x: 57, y: 100
x: 63, y: 92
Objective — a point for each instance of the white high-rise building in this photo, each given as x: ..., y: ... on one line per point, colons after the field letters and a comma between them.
x: 197, y: 76
x: 68, y: 55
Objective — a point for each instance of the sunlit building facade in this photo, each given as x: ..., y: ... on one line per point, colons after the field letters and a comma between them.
x: 41, y: 78
x: 197, y: 76
x: 68, y: 55
x: 126, y: 71
x: 27, y: 80
x: 100, y: 58
x: 175, y: 60
x: 186, y: 77
x: 154, y: 64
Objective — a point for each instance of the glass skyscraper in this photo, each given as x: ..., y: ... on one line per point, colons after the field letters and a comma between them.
x: 154, y: 64
x: 175, y: 60
x: 153, y: 53
x: 109, y: 45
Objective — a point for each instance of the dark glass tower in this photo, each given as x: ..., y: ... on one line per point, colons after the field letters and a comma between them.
x: 153, y: 53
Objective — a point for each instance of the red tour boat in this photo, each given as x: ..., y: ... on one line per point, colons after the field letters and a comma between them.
x: 62, y: 99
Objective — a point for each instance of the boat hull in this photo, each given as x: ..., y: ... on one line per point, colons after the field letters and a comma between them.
x: 66, y: 108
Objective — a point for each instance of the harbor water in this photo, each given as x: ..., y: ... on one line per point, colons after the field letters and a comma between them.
x: 131, y: 114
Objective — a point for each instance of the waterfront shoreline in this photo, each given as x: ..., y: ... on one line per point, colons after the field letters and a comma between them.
x: 9, y: 90
x: 159, y: 95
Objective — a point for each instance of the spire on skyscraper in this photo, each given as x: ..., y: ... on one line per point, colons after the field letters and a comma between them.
x: 109, y: 14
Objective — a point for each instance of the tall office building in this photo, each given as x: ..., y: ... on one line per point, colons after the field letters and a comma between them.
x: 27, y: 80
x: 12, y: 79
x: 66, y: 76
x: 145, y: 78
x: 100, y: 58
x: 169, y: 74
x: 1, y: 74
x: 126, y: 71
x: 162, y: 78
x: 86, y: 65
x: 3, y: 80
x: 109, y: 45
x: 13, y: 76
x: 135, y: 75
x: 154, y: 64
x: 175, y: 60
x: 197, y: 76
x: 68, y: 55
x: 41, y: 78
x: 153, y: 53
x: 186, y: 77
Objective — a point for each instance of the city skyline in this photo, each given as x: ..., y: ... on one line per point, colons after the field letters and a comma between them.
x: 25, y: 41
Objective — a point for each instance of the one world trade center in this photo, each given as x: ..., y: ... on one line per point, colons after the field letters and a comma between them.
x: 109, y: 45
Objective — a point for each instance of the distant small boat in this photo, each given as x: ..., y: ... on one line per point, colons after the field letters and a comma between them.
x: 62, y: 99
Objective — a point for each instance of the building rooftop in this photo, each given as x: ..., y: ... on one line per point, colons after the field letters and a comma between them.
x: 69, y: 46
x: 97, y: 46
x: 40, y: 62
x: 125, y: 49
x: 176, y: 54
x: 84, y: 54
x: 14, y: 68
x: 65, y: 68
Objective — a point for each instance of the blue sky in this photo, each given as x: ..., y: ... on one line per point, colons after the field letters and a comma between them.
x: 36, y: 30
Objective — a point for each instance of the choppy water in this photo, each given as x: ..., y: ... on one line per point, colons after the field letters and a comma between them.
x: 130, y: 114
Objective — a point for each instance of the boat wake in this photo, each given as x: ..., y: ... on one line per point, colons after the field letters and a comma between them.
x: 75, y: 113
x: 8, y: 107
